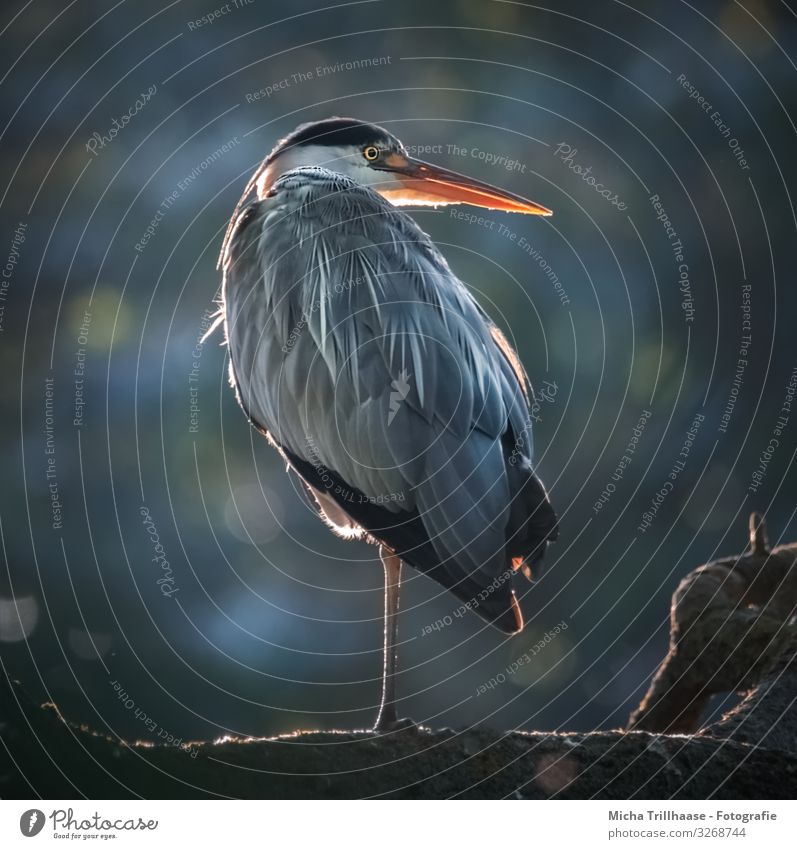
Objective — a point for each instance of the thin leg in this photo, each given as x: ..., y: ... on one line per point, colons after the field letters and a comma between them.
x: 387, y: 713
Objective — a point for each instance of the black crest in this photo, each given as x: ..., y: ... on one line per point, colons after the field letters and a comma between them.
x: 337, y: 132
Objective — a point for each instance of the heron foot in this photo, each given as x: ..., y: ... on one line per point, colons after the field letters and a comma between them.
x: 390, y: 725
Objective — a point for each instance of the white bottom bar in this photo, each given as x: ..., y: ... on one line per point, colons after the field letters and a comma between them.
x: 388, y: 824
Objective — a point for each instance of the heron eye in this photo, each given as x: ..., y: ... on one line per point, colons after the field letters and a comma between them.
x: 371, y: 153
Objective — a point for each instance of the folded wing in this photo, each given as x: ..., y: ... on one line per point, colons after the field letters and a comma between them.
x: 386, y: 386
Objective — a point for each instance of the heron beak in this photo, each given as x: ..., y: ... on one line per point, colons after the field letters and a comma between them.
x: 423, y: 183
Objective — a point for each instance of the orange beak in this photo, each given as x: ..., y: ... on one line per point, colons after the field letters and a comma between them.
x: 423, y: 183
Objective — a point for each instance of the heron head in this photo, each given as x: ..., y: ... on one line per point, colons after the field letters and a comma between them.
x: 370, y: 155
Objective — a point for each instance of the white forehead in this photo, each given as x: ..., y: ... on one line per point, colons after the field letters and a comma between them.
x: 325, y: 156
x: 347, y: 160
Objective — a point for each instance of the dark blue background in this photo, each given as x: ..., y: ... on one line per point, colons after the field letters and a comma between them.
x: 276, y: 624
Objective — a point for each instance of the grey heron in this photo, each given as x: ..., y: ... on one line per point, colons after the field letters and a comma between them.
x: 376, y: 374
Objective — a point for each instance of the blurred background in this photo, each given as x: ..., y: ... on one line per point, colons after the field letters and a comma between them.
x: 153, y: 544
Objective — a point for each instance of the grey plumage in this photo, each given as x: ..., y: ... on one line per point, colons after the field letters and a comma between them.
x: 361, y: 354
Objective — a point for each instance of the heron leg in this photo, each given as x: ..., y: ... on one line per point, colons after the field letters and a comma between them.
x: 387, y: 718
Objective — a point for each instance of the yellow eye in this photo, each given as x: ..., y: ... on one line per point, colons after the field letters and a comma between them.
x: 371, y: 153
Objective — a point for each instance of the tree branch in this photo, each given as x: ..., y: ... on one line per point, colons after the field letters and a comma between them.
x: 731, y: 630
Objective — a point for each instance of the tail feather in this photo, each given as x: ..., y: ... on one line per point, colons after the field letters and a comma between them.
x: 532, y: 521
x: 531, y: 526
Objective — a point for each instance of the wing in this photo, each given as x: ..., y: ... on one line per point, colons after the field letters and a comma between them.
x: 372, y: 367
